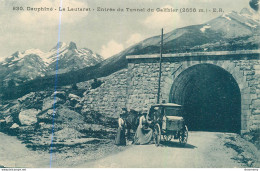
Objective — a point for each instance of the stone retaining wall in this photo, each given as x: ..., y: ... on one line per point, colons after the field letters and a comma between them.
x: 110, y: 97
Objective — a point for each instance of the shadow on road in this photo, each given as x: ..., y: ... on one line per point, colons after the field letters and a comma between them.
x: 176, y: 144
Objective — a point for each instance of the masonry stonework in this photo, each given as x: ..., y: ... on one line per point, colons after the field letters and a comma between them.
x: 136, y: 87
x: 244, y: 66
x: 110, y: 97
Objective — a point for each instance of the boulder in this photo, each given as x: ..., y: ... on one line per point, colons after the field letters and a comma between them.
x: 14, y: 126
x: 28, y: 117
x: 249, y: 163
x: 68, y: 116
x: 9, y: 119
x: 46, y: 115
x: 48, y: 103
x: 59, y: 94
x: 74, y: 97
x: 74, y: 100
x: 26, y: 97
x: 41, y: 124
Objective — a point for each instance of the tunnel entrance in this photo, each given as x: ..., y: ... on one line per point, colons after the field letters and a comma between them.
x: 210, y: 97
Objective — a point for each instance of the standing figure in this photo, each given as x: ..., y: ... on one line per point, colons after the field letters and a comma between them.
x: 131, y: 121
x: 144, y: 133
x: 120, y: 136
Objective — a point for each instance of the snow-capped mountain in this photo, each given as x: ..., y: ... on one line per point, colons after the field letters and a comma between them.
x: 235, y: 24
x: 228, y: 32
x: 32, y: 63
x: 217, y: 34
x: 70, y: 58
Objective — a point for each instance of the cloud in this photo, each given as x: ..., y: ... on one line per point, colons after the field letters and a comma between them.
x: 2, y: 59
x: 166, y: 20
x: 111, y: 49
x: 51, y: 18
x: 133, y: 39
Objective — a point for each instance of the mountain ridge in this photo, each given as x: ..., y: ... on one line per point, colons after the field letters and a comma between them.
x: 33, y: 63
x: 228, y: 32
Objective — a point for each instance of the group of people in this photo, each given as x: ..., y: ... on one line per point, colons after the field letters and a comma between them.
x: 143, y: 134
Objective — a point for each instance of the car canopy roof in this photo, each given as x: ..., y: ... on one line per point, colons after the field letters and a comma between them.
x: 166, y: 105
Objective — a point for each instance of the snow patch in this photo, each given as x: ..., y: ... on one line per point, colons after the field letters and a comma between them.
x: 32, y: 51
x: 63, y: 45
x: 204, y: 28
x: 250, y: 25
x: 10, y: 56
x: 29, y: 66
x: 224, y: 15
x: 21, y: 55
x: 52, y: 56
x: 11, y: 65
x: 28, y: 52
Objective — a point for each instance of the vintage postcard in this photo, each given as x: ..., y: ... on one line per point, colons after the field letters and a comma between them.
x: 129, y: 84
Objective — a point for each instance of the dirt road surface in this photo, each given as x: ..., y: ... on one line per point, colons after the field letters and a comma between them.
x: 204, y: 149
x: 15, y: 154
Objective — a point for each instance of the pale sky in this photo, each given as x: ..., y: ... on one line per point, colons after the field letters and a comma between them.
x: 106, y: 33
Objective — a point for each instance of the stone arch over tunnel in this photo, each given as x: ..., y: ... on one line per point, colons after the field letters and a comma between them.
x: 210, y: 97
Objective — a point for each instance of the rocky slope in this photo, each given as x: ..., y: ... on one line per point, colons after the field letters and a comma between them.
x: 33, y: 118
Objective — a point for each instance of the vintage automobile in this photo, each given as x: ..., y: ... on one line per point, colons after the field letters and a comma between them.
x: 168, y: 122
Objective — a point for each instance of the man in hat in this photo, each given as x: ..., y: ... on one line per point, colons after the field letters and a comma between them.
x: 124, y: 111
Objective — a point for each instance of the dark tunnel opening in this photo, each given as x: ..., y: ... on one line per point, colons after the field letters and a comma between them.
x: 210, y: 97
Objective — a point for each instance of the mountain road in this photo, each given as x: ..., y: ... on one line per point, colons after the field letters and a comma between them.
x: 204, y: 150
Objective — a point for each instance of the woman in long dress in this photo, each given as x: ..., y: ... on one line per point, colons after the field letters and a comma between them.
x: 143, y: 134
x: 120, y: 136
